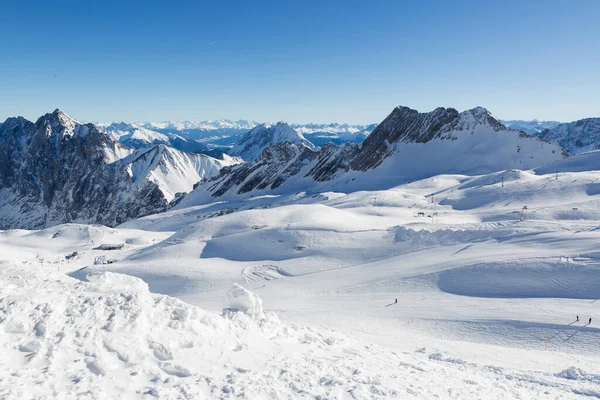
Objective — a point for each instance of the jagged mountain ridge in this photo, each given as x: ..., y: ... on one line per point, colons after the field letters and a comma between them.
x: 280, y: 162
x: 59, y: 170
x: 405, y: 146
x: 253, y: 144
x: 575, y: 137
x: 405, y: 125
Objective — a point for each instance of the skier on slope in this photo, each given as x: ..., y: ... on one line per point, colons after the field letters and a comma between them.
x: 396, y: 302
x: 578, y: 318
x: 589, y: 323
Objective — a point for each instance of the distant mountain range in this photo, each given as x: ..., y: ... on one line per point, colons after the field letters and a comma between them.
x: 58, y: 170
x: 217, y: 137
x: 406, y: 146
x: 532, y: 127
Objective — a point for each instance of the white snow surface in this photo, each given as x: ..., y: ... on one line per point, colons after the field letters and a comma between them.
x: 292, y: 295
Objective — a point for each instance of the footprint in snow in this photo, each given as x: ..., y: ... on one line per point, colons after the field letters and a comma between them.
x: 161, y: 352
x: 175, y: 370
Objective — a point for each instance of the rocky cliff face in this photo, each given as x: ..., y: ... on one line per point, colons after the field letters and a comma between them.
x: 280, y: 163
x: 58, y: 170
x: 575, y: 137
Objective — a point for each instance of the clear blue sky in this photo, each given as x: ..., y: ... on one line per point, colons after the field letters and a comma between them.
x: 300, y: 61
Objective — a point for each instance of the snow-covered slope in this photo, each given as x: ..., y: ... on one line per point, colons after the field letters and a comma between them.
x: 576, y: 137
x: 252, y: 145
x: 589, y: 161
x: 532, y: 127
x: 173, y: 171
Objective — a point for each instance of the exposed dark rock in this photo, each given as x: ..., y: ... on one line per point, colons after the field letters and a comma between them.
x: 575, y: 137
x: 57, y: 170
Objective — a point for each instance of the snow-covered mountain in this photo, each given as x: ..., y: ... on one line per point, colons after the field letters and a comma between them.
x: 220, y: 125
x: 215, y: 134
x: 173, y: 171
x: 252, y: 145
x: 59, y: 170
x: 576, y: 137
x: 407, y: 145
x: 136, y: 137
x: 530, y: 127
x: 447, y: 141
x: 215, y: 137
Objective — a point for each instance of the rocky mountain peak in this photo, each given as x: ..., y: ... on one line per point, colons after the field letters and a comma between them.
x: 405, y: 125
x: 59, y: 125
x: 478, y: 116
x: 252, y: 144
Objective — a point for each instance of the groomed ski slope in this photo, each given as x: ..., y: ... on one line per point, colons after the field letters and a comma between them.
x: 487, y: 300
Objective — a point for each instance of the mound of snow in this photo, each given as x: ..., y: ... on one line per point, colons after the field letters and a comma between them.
x: 574, y: 373
x: 243, y: 300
